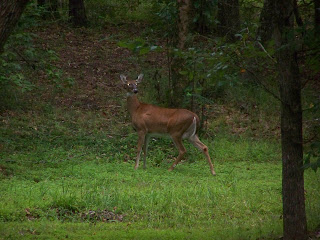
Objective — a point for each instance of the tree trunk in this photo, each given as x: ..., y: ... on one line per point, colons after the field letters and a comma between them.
x: 228, y: 18
x: 178, y: 83
x: 294, y: 216
x: 202, y: 12
x: 184, y: 7
x: 267, y: 18
x: 77, y: 13
x: 10, y: 12
x: 200, y: 24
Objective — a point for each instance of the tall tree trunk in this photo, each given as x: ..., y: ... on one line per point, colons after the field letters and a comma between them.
x: 267, y: 18
x: 184, y: 7
x: 77, y: 13
x: 178, y: 82
x: 294, y: 216
x: 200, y: 24
x: 10, y: 12
x: 229, y: 18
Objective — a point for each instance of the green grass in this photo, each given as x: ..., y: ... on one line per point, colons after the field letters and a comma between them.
x: 55, y: 168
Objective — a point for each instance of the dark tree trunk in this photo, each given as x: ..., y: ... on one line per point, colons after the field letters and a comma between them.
x: 267, y: 18
x: 77, y: 13
x: 294, y: 216
x: 228, y: 18
x: 10, y: 12
x: 202, y: 24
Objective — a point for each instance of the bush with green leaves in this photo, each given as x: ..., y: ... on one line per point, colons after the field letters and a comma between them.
x: 22, y: 59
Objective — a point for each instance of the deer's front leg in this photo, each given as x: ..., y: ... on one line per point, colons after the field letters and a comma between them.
x: 141, y: 139
x: 145, y: 150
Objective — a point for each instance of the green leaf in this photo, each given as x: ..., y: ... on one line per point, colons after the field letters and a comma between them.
x: 122, y: 44
x: 183, y: 72
x: 144, y: 50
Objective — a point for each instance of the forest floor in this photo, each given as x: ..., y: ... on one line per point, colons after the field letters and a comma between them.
x: 94, y: 59
x: 66, y: 160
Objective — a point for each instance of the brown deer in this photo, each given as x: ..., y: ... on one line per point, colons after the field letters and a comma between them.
x: 149, y: 120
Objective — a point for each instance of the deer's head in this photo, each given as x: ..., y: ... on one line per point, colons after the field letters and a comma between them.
x: 131, y: 85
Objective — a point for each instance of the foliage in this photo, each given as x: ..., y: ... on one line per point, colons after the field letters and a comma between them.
x: 21, y: 60
x: 13, y: 64
x: 212, y: 73
x: 139, y: 46
x: 204, y: 15
x: 314, y: 153
x: 167, y: 21
x: 207, y: 71
x: 117, y: 12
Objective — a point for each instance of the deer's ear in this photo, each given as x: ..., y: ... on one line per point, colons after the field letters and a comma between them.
x: 123, y: 79
x: 140, y: 77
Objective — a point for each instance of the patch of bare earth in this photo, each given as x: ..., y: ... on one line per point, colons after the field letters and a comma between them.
x: 94, y: 60
x: 103, y: 215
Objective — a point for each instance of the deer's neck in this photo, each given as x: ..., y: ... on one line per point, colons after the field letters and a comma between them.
x: 132, y: 103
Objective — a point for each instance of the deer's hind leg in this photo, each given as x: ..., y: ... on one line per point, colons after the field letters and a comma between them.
x: 204, y: 149
x: 182, y: 150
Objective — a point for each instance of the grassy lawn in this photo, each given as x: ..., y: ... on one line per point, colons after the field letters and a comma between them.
x: 65, y: 184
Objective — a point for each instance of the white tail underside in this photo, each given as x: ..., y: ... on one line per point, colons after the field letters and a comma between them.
x: 191, y: 131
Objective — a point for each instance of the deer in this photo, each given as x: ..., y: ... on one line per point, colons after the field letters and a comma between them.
x: 151, y: 121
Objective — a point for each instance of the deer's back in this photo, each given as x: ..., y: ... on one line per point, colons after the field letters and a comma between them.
x: 156, y: 119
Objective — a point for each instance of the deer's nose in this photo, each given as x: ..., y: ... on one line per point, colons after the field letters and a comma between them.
x: 135, y: 90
